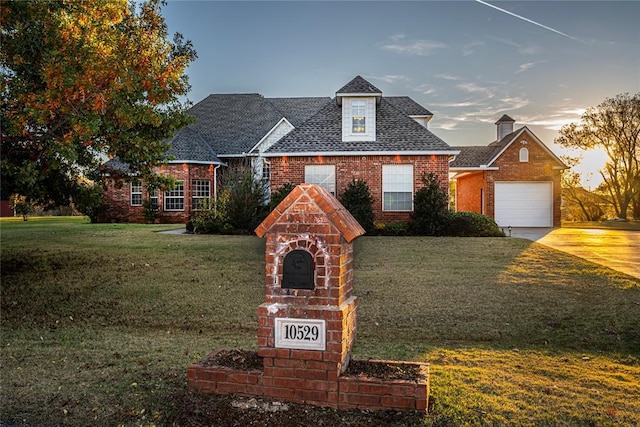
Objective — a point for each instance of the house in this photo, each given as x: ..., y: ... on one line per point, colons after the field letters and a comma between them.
x: 515, y: 179
x: 358, y: 134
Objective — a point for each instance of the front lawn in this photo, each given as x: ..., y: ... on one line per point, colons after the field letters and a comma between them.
x: 99, y: 323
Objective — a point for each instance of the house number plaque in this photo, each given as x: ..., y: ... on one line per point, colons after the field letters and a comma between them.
x: 302, y: 334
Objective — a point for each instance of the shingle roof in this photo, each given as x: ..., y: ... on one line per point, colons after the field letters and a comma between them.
x: 298, y: 110
x: 395, y: 132
x: 234, y: 123
x: 475, y: 156
x: 408, y: 106
x: 505, y: 118
x: 189, y: 145
x: 359, y: 85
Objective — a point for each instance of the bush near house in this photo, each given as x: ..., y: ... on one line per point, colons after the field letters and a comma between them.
x: 471, y: 224
x: 359, y: 202
x: 430, y: 208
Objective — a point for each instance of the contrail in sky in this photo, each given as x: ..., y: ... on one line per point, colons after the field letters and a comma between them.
x: 529, y: 20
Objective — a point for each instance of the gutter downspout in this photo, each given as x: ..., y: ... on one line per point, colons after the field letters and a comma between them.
x: 215, y: 188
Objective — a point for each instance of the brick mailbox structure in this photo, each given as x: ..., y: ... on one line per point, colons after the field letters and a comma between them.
x: 307, y: 323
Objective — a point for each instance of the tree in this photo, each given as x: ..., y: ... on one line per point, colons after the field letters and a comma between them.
x: 613, y: 125
x: 430, y: 208
x: 579, y: 203
x: 83, y: 80
x: 359, y: 202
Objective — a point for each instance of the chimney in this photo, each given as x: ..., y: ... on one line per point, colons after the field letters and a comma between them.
x: 505, y: 126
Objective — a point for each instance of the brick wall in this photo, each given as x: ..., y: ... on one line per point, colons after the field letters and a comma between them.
x: 368, y: 168
x: 539, y: 168
x: 118, y: 203
x: 470, y: 192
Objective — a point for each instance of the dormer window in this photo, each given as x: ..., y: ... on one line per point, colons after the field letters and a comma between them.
x: 358, y: 113
x: 524, y: 155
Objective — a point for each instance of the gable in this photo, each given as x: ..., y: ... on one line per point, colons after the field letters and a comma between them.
x: 396, y: 132
x: 482, y: 157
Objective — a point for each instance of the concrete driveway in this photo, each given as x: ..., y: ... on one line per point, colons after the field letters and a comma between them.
x: 616, y: 249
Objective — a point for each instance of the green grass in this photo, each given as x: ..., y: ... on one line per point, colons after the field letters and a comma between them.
x: 99, y: 323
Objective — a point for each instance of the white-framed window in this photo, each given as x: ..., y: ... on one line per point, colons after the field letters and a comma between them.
x: 322, y: 175
x: 174, y: 199
x: 153, y: 198
x: 135, y: 197
x: 266, y: 170
x: 358, y: 113
x: 397, y: 187
x: 524, y: 155
x: 200, y: 194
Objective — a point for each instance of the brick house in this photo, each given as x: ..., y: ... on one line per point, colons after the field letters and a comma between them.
x: 515, y: 179
x: 358, y: 134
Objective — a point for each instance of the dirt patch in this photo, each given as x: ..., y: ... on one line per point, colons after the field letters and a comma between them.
x: 384, y: 370
x: 246, y: 360
x: 238, y: 359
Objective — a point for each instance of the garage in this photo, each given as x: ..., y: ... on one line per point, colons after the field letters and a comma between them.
x: 524, y: 204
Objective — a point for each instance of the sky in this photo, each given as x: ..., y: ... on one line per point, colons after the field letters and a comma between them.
x: 469, y: 62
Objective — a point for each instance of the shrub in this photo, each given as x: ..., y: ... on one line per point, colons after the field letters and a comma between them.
x: 430, y: 208
x: 150, y: 210
x: 280, y: 194
x: 22, y: 206
x: 396, y: 229
x: 471, y: 224
x: 358, y: 200
x: 88, y: 199
x: 246, y: 207
x: 213, y: 219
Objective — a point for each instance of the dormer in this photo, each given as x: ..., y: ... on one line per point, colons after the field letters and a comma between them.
x: 359, y: 100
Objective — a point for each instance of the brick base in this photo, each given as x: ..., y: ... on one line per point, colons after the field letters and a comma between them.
x: 304, y: 386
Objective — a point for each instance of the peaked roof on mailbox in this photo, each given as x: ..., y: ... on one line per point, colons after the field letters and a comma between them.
x: 335, y: 212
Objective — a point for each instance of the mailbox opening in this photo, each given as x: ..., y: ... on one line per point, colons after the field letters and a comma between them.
x: 297, y: 270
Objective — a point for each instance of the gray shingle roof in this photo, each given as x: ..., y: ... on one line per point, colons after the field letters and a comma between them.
x: 359, y: 85
x: 234, y: 123
x: 396, y: 132
x: 408, y: 106
x: 189, y: 145
x: 298, y: 110
x: 476, y: 155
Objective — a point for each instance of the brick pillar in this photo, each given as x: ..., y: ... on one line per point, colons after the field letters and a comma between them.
x: 306, y: 369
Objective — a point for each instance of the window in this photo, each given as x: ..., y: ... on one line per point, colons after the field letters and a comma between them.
x: 358, y: 111
x: 136, y: 193
x: 174, y: 199
x: 266, y: 171
x: 322, y: 175
x: 397, y: 187
x: 153, y: 197
x: 200, y: 194
x: 524, y: 154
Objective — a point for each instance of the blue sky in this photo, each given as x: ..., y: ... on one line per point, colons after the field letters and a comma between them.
x: 468, y: 62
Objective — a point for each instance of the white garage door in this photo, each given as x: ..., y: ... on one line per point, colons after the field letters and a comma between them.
x: 524, y: 204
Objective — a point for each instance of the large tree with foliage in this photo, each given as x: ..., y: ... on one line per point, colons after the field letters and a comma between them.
x: 82, y: 81
x: 614, y: 126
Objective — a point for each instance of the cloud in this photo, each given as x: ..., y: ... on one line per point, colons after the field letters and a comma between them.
x: 391, y: 78
x: 413, y: 47
x: 447, y: 77
x: 470, y: 49
x: 525, y: 50
x: 527, y: 66
x: 474, y: 88
x: 555, y: 120
x: 425, y: 89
